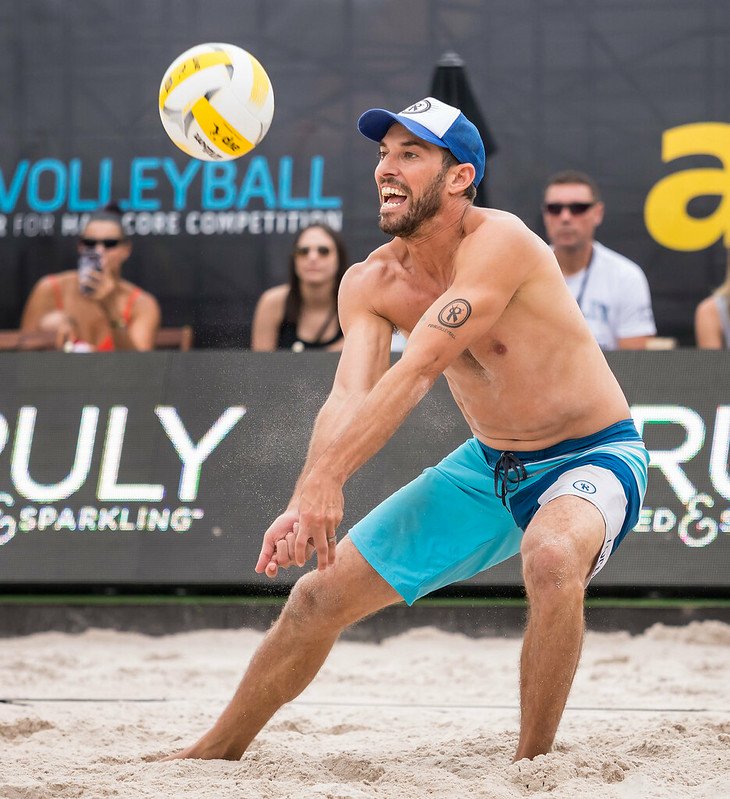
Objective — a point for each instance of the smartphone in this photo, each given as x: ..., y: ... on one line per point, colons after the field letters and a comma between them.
x: 89, y: 261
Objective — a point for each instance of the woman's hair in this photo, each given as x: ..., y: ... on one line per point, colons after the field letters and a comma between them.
x: 724, y: 289
x: 109, y: 213
x: 293, y: 304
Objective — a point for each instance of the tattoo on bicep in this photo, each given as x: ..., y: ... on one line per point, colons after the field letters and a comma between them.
x: 442, y: 329
x: 455, y: 313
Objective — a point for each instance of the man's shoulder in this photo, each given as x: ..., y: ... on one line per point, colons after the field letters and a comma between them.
x: 487, y: 221
x: 490, y: 231
x: 495, y: 236
x: 615, y: 259
x: 381, y: 262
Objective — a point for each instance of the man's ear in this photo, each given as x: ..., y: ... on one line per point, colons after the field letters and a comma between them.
x: 599, y: 209
x: 462, y: 177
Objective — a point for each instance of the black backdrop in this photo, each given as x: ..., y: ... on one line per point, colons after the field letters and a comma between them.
x: 108, y: 502
x: 560, y: 84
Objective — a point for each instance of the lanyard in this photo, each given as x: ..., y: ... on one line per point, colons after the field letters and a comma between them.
x: 584, y: 283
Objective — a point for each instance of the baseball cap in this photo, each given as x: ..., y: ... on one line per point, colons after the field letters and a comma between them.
x: 433, y: 121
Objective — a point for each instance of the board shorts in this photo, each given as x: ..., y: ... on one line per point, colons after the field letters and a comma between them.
x: 470, y: 511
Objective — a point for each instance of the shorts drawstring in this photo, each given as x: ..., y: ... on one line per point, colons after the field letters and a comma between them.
x: 511, y: 471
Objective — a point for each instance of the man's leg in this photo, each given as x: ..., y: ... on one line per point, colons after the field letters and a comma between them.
x: 320, y: 606
x: 559, y: 549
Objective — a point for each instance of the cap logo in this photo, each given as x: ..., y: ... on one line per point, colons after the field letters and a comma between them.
x: 417, y: 108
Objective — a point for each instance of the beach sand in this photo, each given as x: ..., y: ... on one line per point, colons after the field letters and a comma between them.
x: 422, y: 714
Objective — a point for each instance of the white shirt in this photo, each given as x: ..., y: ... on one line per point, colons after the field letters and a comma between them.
x: 613, y: 294
x: 398, y: 341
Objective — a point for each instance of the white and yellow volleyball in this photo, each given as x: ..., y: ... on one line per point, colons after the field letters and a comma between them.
x: 216, y: 102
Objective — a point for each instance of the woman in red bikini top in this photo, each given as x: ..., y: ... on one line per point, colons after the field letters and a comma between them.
x: 90, y: 309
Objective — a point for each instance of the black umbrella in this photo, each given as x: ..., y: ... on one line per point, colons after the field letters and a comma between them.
x: 450, y: 84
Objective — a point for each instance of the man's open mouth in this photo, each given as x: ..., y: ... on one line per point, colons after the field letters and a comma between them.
x: 392, y: 196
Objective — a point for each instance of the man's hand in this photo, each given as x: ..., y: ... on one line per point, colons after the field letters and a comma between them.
x: 277, y: 550
x: 321, y: 507
x: 293, y: 536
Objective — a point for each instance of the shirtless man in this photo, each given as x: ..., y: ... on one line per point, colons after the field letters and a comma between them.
x: 555, y: 469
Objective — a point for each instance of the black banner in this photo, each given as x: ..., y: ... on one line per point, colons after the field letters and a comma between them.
x: 165, y: 469
x: 633, y: 93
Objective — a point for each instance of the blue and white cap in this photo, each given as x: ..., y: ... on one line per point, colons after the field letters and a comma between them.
x: 433, y: 121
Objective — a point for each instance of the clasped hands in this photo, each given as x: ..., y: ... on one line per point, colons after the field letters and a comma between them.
x: 306, y: 527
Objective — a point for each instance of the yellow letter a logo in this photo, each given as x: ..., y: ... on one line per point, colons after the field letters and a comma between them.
x: 665, y: 210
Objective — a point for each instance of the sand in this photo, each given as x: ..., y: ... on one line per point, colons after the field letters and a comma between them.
x: 423, y: 714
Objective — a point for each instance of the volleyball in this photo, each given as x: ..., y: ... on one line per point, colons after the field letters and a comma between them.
x: 216, y: 102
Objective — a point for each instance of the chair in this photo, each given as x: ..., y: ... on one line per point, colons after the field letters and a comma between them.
x: 167, y: 338
x: 174, y: 338
x: 19, y: 341
x: 661, y: 343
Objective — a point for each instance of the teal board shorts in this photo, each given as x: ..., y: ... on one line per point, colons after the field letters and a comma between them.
x: 470, y: 511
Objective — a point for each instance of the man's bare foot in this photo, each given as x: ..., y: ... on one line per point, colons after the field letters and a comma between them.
x: 183, y: 754
x: 206, y: 750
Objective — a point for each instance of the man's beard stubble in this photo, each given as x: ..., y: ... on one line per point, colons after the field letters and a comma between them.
x: 423, y: 209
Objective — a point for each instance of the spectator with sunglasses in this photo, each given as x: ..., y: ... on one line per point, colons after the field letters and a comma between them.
x: 302, y: 314
x: 91, y: 308
x: 611, y: 291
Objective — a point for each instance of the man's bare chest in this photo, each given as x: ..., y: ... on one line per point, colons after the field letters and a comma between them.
x: 408, y: 302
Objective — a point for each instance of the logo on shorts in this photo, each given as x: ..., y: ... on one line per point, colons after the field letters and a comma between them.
x: 584, y: 486
x: 417, y: 108
x: 455, y: 313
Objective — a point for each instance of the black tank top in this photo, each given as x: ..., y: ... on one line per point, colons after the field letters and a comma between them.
x: 288, y: 339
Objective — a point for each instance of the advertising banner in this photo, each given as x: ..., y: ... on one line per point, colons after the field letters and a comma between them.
x: 634, y: 93
x: 165, y: 469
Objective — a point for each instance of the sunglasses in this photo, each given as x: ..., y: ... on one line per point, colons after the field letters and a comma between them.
x: 322, y: 250
x: 576, y: 209
x: 107, y: 244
